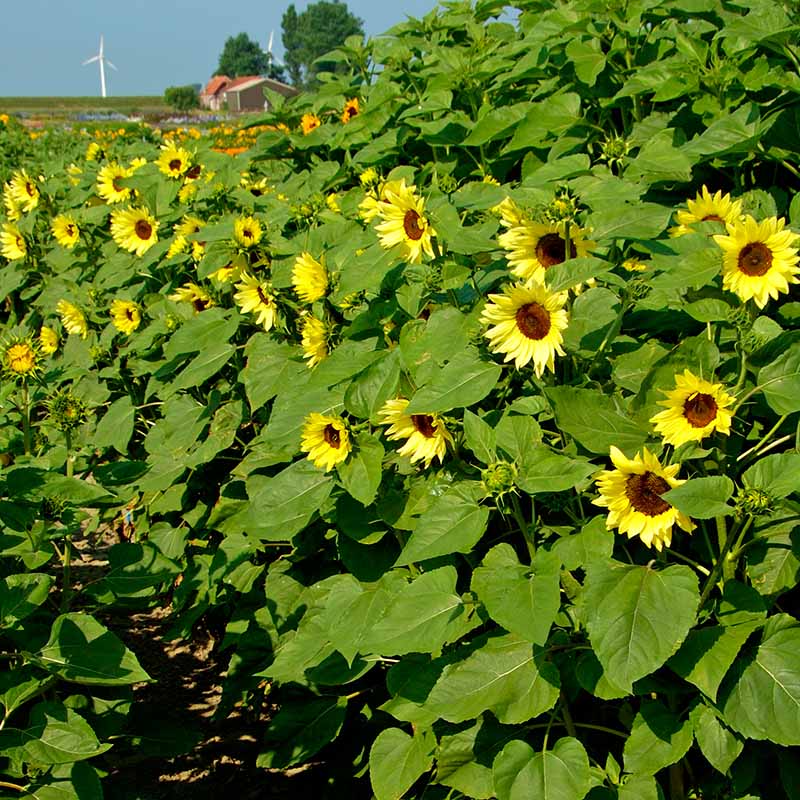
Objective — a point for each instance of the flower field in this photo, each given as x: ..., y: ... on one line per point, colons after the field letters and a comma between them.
x: 460, y: 395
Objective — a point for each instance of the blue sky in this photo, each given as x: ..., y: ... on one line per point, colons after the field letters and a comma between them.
x: 153, y: 43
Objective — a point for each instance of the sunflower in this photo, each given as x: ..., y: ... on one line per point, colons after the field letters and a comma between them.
x: 350, y: 110
x: 72, y: 318
x: 247, y: 231
x: 527, y: 322
x: 404, y: 224
x: 632, y: 494
x: 125, y: 315
x: 12, y: 243
x: 173, y: 161
x: 93, y: 152
x: 694, y: 409
x: 193, y: 294
x: 48, y: 340
x: 134, y: 229
x: 109, y: 185
x: 74, y: 172
x: 310, y: 278
x: 24, y: 191
x: 706, y: 207
x: 13, y: 209
x: 309, y: 122
x: 256, y: 296
x: 65, y: 230
x: 315, y: 340
x: 326, y: 440
x: 425, y: 434
x: 634, y: 264
x: 369, y: 177
x: 533, y: 247
x: 758, y: 259
x: 179, y: 245
x: 20, y: 358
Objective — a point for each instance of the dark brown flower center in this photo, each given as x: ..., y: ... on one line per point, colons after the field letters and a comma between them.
x: 263, y: 297
x: 255, y: 191
x: 199, y: 304
x: 247, y: 233
x: 70, y: 230
x: 129, y: 314
x: 551, y: 249
x: 424, y: 424
x: 115, y: 183
x: 144, y: 230
x: 712, y: 218
x: 644, y: 493
x: 194, y: 172
x: 30, y: 188
x: 699, y: 410
x: 755, y: 259
x: 332, y: 436
x: 175, y: 164
x: 533, y: 321
x: 412, y: 226
x: 349, y: 112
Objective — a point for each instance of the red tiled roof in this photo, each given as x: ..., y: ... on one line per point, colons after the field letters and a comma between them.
x: 243, y: 79
x: 216, y: 84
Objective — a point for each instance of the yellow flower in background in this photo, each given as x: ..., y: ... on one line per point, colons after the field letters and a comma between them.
x: 24, y: 191
x: 425, y: 434
x: 173, y: 161
x: 93, y: 152
x: 136, y: 163
x: 187, y: 191
x: 72, y: 318
x: 134, y: 229
x: 225, y: 274
x: 309, y: 277
x: 125, y: 316
x: 758, y: 259
x: 369, y: 177
x: 706, y: 207
x: 247, y: 231
x: 180, y: 244
x: 74, y: 172
x: 694, y: 409
x: 12, y: 243
x: 20, y: 358
x: 109, y: 183
x: 315, y: 340
x: 351, y: 109
x: 254, y: 296
x: 309, y: 122
x: 326, y: 440
x: 634, y: 264
x: 193, y: 294
x: 632, y: 494
x: 189, y: 225
x: 13, y: 209
x: 533, y: 247
x: 65, y: 230
x: 332, y: 201
x: 527, y: 323
x: 404, y: 224
x: 48, y: 340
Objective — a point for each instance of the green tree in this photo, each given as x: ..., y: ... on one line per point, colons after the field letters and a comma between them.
x: 242, y: 56
x: 322, y: 27
x: 181, y: 98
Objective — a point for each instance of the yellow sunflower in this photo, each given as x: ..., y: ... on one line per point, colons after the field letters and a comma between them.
x: 93, y: 152
x: 315, y: 340
x: 369, y: 177
x: 425, y: 434
x: 20, y: 358
x: 13, y: 209
x: 706, y: 207
x: 188, y: 225
x: 48, y: 340
x: 694, y: 409
x: 404, y: 224
x: 12, y: 243
x: 72, y: 318
x: 256, y: 297
x: 758, y: 260
x: 309, y: 122
x: 634, y: 264
x: 24, y: 191
x: 351, y: 109
x: 125, y: 315
x: 109, y: 185
x: 247, y: 231
x: 310, y: 278
x: 195, y: 295
x: 173, y: 161
x: 527, y: 325
x: 65, y: 230
x: 74, y: 172
x: 180, y: 244
x: 632, y: 494
x: 533, y: 247
x: 326, y: 440
x: 134, y: 229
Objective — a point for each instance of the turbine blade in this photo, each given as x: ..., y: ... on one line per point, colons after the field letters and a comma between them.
x: 90, y: 60
x: 110, y: 64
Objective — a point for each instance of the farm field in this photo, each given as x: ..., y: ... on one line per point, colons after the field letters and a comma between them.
x: 433, y: 436
x: 144, y: 105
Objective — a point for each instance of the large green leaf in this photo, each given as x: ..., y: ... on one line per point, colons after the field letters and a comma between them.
x: 658, y: 738
x: 396, y: 760
x: 703, y: 498
x: 776, y: 475
x: 21, y: 595
x: 116, y: 426
x: 361, y: 472
x: 60, y: 735
x: 780, y: 381
x: 638, y: 617
x: 717, y: 743
x: 270, y: 366
x: 543, y: 470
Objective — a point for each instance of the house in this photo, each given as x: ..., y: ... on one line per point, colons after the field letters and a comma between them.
x: 245, y: 93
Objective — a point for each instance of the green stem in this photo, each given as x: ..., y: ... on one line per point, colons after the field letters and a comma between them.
x: 70, y: 460
x: 764, y: 439
x: 7, y: 785
x: 26, y: 418
x: 720, y: 565
x: 523, y: 526
x: 737, y: 551
x: 586, y: 725
x: 699, y: 567
x: 742, y: 373
x: 566, y: 716
x: 733, y: 558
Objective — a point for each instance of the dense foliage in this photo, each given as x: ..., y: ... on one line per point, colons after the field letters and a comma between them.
x: 181, y: 98
x: 380, y: 394
x: 242, y: 55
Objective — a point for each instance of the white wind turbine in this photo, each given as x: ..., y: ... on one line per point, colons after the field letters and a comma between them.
x: 268, y: 52
x: 102, y: 60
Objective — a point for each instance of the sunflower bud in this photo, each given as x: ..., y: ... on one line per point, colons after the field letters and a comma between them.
x: 614, y: 149
x: 499, y: 479
x: 448, y: 184
x: 66, y: 411
x: 755, y: 502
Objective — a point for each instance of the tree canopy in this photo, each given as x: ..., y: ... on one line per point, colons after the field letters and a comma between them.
x: 322, y: 27
x: 243, y: 56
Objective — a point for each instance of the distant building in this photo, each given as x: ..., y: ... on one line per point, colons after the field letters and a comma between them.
x: 241, y: 94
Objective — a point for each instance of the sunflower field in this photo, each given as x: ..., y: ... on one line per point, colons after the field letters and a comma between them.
x: 462, y: 394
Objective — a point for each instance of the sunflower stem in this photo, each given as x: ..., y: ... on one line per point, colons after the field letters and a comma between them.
x: 711, y: 582
x: 523, y: 526
x: 70, y: 460
x: 764, y: 439
x: 25, y: 410
x: 699, y: 567
x: 567, y: 248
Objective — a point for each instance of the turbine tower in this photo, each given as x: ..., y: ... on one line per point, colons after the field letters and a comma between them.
x: 268, y: 52
x: 102, y: 60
